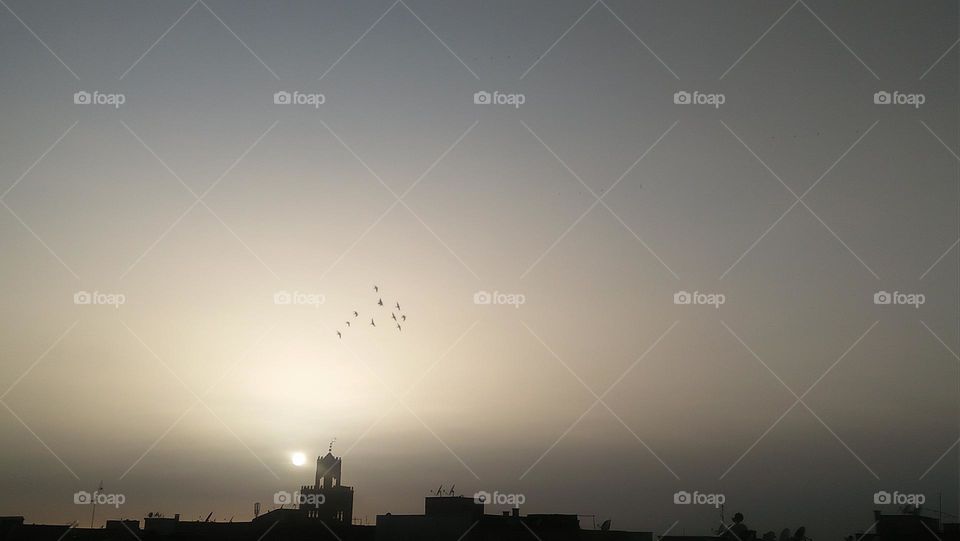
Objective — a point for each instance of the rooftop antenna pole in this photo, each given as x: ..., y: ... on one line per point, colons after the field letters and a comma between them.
x: 94, y: 512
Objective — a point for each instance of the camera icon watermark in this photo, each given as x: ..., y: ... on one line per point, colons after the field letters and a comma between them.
x: 296, y: 97
x: 896, y: 498
x: 499, y: 498
x: 97, y: 297
x: 697, y: 297
x: 683, y: 497
x: 284, y: 297
x: 283, y: 497
x: 683, y: 97
x: 495, y: 297
x: 482, y: 97
x: 83, y: 497
x: 897, y: 297
x: 883, y: 97
x: 82, y: 97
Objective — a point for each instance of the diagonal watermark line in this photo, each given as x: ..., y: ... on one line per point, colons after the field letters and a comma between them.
x: 832, y: 232
x: 399, y: 199
x: 937, y: 262
x: 472, y: 526
x: 668, y: 530
x: 634, y: 34
x: 937, y: 61
x: 38, y: 160
x: 161, y: 437
x: 767, y: 31
x: 798, y: 200
x: 434, y: 34
x: 535, y: 536
x: 198, y: 399
x: 324, y: 523
x: 799, y: 399
x: 598, y: 199
x: 598, y: 399
x: 167, y: 31
x: 47, y: 447
x: 199, y: 200
x: 367, y: 31
x: 937, y: 461
x: 933, y: 133
x: 834, y: 34
x: 45, y: 46
x: 942, y: 343
x: 271, y: 527
x: 933, y: 533
x: 40, y: 358
x: 245, y: 46
x: 567, y: 31
x: 36, y: 236
x: 399, y: 399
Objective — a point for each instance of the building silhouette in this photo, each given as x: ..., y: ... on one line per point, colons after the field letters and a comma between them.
x: 324, y: 511
x: 327, y: 499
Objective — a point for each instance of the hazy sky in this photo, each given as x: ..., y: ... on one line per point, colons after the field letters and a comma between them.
x: 798, y: 398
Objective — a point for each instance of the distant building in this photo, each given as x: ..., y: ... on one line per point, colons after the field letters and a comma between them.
x: 327, y: 499
x: 908, y: 527
x: 459, y: 517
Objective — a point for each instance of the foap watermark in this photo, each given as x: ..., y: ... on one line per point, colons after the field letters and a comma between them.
x: 697, y: 297
x: 482, y: 97
x: 698, y: 498
x: 896, y: 498
x: 82, y: 97
x: 98, y: 498
x: 683, y: 97
x: 284, y: 297
x: 297, y: 498
x: 99, y: 297
x: 499, y: 498
x: 882, y: 97
x: 313, y: 99
x: 898, y: 297
x: 496, y: 297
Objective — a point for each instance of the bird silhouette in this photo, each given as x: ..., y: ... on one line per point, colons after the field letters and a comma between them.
x: 355, y: 314
x: 348, y: 323
x: 339, y: 335
x: 398, y: 327
x: 372, y: 324
x: 403, y: 318
x: 376, y: 289
x: 394, y: 316
x: 398, y: 306
x: 380, y: 302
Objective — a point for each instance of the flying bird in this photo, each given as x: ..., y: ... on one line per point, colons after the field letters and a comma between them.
x: 398, y: 306
x: 398, y: 327
x: 348, y: 323
x: 376, y: 289
x: 339, y: 335
x: 394, y: 316
x: 372, y: 324
x: 355, y: 314
x: 403, y: 318
x: 380, y: 302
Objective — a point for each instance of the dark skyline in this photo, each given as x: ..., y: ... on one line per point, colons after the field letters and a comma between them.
x: 643, y: 248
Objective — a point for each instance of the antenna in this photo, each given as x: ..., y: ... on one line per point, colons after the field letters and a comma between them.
x: 256, y: 509
x: 334, y: 440
x: 95, y: 494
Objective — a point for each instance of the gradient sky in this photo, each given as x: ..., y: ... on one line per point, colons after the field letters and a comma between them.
x: 191, y: 396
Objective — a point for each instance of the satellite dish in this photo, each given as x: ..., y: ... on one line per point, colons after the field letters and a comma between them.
x: 605, y: 526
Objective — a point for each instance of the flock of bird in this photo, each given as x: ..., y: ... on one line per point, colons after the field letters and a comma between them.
x: 397, y: 317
